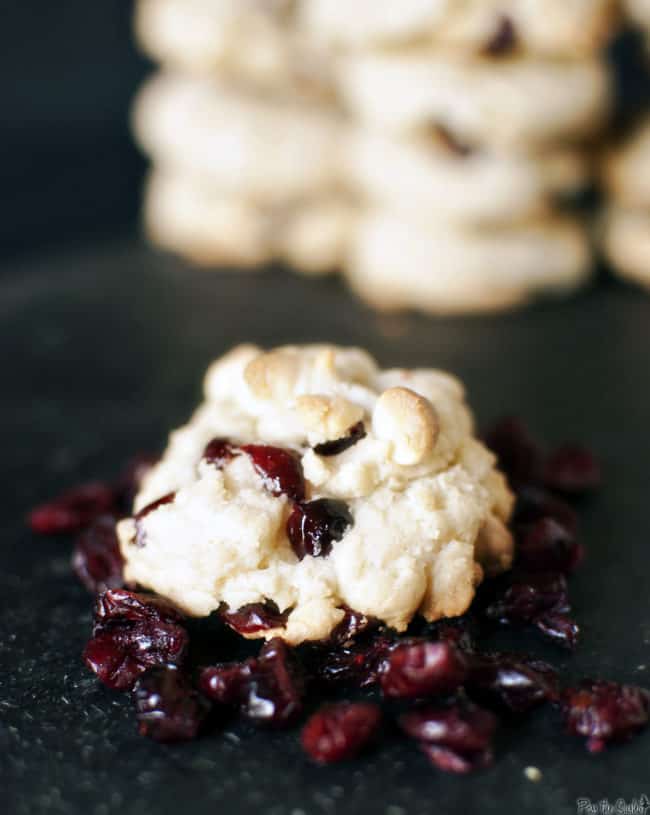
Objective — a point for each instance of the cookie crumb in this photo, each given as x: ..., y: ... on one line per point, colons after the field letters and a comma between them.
x: 533, y: 774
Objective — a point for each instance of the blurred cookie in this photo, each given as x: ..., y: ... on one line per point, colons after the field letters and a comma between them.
x: 626, y: 242
x: 527, y: 103
x: 395, y: 264
x: 554, y: 27
x: 627, y: 170
x: 216, y: 229
x: 268, y: 150
x: 437, y: 178
x: 250, y: 40
x: 638, y: 11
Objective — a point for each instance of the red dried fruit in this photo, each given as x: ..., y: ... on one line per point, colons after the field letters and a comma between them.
x: 461, y: 726
x: 572, y: 470
x: 254, y: 617
x: 313, y: 527
x: 133, y: 632
x: 422, y: 669
x: 528, y: 596
x: 340, y: 731
x: 356, y: 665
x: 504, y: 39
x: 73, y: 510
x: 336, y: 446
x: 518, y: 454
x: 97, y: 560
x: 218, y: 452
x: 559, y: 628
x: 352, y: 626
x: 227, y: 683
x: 605, y: 712
x: 168, y: 708
x: 511, y: 682
x: 534, y: 503
x: 545, y: 545
x: 280, y: 469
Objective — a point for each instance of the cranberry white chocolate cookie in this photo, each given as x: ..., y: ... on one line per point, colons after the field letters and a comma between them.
x: 312, y: 480
x: 626, y: 242
x: 440, y: 268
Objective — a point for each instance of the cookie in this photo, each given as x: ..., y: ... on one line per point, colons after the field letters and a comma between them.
x: 638, y: 11
x: 215, y: 229
x: 556, y: 27
x: 269, y: 150
x: 626, y: 243
x: 525, y: 103
x: 329, y: 483
x: 253, y: 41
x: 430, y: 176
x: 440, y: 269
x: 627, y: 170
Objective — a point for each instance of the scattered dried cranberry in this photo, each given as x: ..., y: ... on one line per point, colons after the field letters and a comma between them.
x: 336, y: 446
x: 559, y: 628
x: 227, y: 683
x: 605, y: 711
x: 511, y: 682
x: 97, y: 560
x: 572, y: 470
x: 218, y: 452
x: 518, y: 454
x: 422, y: 669
x: 528, y: 596
x: 73, y: 510
x: 457, y: 630
x: 454, y: 761
x: 339, y: 732
x: 255, y: 617
x: 356, y: 665
x: 352, y: 626
x: 534, y: 503
x: 545, y: 545
x: 140, y: 533
x: 133, y: 632
x: 312, y: 527
x: 504, y: 39
x: 168, y: 708
x: 461, y: 726
x: 280, y: 469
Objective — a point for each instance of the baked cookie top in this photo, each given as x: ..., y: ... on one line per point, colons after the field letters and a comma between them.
x: 311, y: 478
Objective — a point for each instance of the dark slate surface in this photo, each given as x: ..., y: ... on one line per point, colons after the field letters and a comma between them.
x: 103, y: 351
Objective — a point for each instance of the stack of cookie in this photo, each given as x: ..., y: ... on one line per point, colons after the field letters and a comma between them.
x: 244, y: 137
x: 422, y: 147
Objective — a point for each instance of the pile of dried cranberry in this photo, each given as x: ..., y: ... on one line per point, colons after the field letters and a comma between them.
x: 433, y: 682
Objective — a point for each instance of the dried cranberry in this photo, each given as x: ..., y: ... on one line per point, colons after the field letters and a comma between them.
x: 140, y: 533
x: 218, y: 452
x: 511, y: 682
x: 572, y: 470
x: 534, y: 503
x: 355, y: 665
x: 518, y: 454
x: 133, y: 632
x: 422, y: 669
x: 227, y: 683
x: 168, y: 708
x: 504, y: 39
x: 339, y: 732
x: 254, y: 617
x: 73, y: 510
x: 545, y: 545
x: 605, y: 711
x: 313, y: 527
x: 461, y: 726
x: 352, y: 626
x: 97, y: 560
x: 336, y: 446
x: 528, y: 596
x: 275, y: 691
x: 453, y: 761
x: 457, y: 630
x: 280, y: 469
x: 559, y: 628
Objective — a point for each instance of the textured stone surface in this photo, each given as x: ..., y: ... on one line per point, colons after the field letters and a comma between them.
x: 103, y: 352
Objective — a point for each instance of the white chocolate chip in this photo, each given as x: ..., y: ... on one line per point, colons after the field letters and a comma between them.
x: 409, y: 421
x: 326, y: 418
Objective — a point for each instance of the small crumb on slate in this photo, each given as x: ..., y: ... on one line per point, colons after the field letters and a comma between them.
x: 533, y: 774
